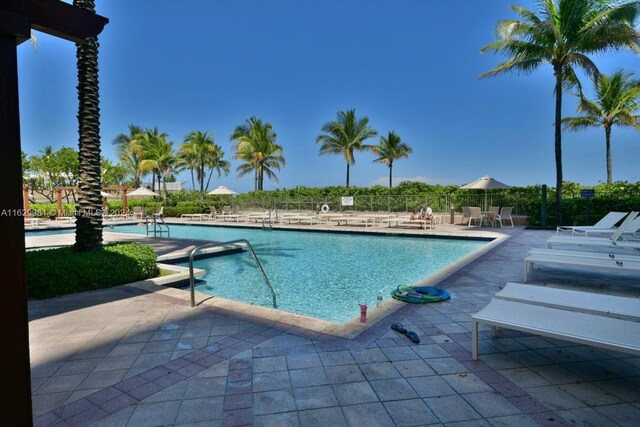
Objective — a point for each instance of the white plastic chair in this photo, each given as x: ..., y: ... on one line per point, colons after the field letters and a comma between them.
x: 475, y: 215
x: 504, y: 215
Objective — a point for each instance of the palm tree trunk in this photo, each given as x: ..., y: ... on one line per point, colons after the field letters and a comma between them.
x: 136, y: 180
x: 153, y: 181
x: 255, y: 179
x: 261, y: 179
x: 390, y: 174
x: 193, y: 182
x: 164, y: 185
x: 89, y: 217
x: 607, y: 131
x: 347, y: 174
x: 208, y: 181
x: 558, y: 143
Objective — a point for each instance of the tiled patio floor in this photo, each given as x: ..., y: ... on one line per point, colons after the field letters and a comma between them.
x: 127, y: 357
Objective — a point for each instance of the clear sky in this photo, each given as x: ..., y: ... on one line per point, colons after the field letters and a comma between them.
x: 411, y: 66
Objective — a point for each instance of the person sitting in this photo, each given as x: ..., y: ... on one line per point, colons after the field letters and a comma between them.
x: 413, y: 216
x: 426, y: 213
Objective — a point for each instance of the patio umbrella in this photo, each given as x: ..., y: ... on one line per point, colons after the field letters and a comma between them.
x: 222, y: 190
x: 108, y: 195
x: 485, y: 183
x: 142, y: 192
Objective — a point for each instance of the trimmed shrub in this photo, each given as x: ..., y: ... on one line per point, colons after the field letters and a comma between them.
x: 44, y: 210
x: 64, y: 271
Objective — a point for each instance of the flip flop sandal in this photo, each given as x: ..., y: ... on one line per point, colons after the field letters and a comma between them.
x: 399, y: 328
x: 413, y: 337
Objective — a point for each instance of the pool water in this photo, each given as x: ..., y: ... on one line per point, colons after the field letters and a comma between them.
x: 321, y: 275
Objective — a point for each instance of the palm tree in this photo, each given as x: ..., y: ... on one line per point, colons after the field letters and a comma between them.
x: 562, y: 33
x: 89, y: 219
x: 256, y: 146
x: 161, y: 159
x: 617, y: 100
x: 215, y: 162
x: 130, y: 151
x: 152, y: 145
x: 345, y: 136
x: 200, y: 152
x: 390, y: 148
x: 187, y: 154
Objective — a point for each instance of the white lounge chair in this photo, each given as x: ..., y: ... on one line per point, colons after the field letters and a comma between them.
x: 611, y: 242
x: 138, y: 212
x: 627, y: 308
x: 607, y: 222
x: 596, y: 260
x: 631, y: 229
x: 573, y: 317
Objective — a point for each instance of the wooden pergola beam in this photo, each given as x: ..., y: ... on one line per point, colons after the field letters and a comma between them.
x: 57, y: 18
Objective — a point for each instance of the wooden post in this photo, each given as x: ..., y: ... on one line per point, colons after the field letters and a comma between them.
x: 25, y: 200
x: 125, y: 206
x: 17, y: 375
x: 59, y: 200
x: 17, y: 17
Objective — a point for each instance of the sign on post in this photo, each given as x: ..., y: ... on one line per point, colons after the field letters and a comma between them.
x: 588, y: 194
x: 347, y: 201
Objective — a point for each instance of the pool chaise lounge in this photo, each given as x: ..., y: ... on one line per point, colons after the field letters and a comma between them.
x: 599, y: 320
x: 630, y: 231
x: 597, y: 260
x: 607, y: 222
x: 613, y: 241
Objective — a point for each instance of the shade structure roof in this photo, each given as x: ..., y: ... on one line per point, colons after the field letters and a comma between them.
x: 108, y: 195
x: 222, y: 190
x: 142, y: 192
x: 485, y: 183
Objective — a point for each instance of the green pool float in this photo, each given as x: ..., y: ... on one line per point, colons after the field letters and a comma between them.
x: 420, y: 294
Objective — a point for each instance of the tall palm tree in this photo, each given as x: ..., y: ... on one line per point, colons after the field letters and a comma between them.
x: 152, y: 143
x: 216, y: 163
x: 130, y: 151
x: 88, y: 218
x: 617, y: 102
x: 200, y: 150
x: 390, y: 148
x: 162, y: 159
x: 256, y: 146
x: 187, y: 154
x: 345, y: 135
x: 562, y: 33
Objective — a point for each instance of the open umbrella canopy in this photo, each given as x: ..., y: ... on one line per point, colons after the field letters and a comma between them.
x: 485, y: 183
x: 108, y: 195
x: 222, y: 190
x: 143, y: 192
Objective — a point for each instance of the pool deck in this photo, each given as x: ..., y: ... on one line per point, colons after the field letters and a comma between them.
x: 141, y: 356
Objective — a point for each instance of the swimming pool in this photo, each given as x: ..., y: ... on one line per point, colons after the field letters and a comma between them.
x: 318, y: 274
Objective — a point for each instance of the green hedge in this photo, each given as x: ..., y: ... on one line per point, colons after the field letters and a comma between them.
x: 44, y: 210
x: 64, y: 271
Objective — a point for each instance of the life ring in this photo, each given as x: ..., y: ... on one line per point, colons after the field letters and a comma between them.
x: 325, y: 208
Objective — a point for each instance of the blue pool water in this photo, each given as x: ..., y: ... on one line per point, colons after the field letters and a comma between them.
x: 322, y: 275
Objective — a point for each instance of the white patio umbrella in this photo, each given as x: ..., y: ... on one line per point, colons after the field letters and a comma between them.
x: 108, y: 195
x: 485, y: 183
x: 222, y: 190
x: 142, y: 192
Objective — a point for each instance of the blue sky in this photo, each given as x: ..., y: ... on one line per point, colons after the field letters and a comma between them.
x: 411, y: 66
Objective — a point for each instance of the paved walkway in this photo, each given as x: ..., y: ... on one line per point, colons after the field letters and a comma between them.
x: 124, y: 356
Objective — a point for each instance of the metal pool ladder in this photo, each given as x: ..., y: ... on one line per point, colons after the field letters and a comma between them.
x: 192, y: 279
x: 159, y: 226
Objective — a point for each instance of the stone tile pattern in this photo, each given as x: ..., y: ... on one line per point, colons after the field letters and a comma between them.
x: 177, y: 366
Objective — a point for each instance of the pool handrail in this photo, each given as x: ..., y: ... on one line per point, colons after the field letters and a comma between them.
x: 194, y: 251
